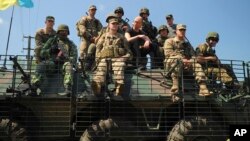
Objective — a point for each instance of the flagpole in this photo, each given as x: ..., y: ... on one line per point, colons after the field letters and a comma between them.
x: 6, y: 51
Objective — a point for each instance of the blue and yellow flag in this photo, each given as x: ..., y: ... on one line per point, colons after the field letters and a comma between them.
x: 4, y: 4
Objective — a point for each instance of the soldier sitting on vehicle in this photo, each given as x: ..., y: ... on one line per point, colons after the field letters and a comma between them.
x: 43, y: 35
x: 58, y: 53
x: 211, y: 64
x: 114, y: 47
x: 177, y: 49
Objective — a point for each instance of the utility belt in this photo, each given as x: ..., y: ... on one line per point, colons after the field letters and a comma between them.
x: 112, y: 52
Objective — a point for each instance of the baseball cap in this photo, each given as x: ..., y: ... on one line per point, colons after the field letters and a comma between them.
x: 50, y: 18
x: 169, y: 16
x: 92, y: 7
x: 180, y: 26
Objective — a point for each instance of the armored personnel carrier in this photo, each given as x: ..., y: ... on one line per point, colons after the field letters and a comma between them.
x: 144, y: 112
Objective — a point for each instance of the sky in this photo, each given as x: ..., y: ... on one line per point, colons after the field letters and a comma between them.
x: 230, y: 18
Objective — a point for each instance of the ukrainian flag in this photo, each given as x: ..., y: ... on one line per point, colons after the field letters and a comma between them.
x: 4, y: 4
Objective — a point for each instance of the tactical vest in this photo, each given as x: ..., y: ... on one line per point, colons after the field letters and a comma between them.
x: 112, y: 46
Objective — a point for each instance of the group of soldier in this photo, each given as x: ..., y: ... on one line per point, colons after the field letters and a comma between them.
x: 124, y: 45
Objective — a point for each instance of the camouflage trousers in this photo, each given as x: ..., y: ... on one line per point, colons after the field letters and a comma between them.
x: 219, y: 74
x: 86, y: 47
x: 117, y: 67
x: 48, y: 67
x: 193, y: 66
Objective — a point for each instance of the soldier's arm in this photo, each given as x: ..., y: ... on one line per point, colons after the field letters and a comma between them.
x: 168, y: 48
x: 99, y: 45
x: 200, y: 53
x: 128, y: 51
x: 38, y: 39
x: 45, y: 51
x: 82, y: 27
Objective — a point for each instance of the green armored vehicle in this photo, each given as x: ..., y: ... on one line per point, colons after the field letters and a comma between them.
x: 144, y: 112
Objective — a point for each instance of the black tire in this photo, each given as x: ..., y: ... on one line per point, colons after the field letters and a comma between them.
x: 11, y: 131
x: 196, y: 129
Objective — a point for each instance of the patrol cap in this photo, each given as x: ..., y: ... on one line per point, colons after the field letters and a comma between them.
x: 50, y: 18
x: 92, y: 7
x: 112, y: 18
x: 180, y: 26
x: 169, y: 16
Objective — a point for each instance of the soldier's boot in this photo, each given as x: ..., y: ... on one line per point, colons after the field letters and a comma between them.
x: 96, y: 87
x: 203, y: 90
x: 67, y: 91
x: 118, y: 90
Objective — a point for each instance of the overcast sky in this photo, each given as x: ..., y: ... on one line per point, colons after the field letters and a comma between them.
x: 230, y: 18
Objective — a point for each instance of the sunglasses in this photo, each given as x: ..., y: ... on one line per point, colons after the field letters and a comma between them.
x: 51, y: 21
x: 214, y: 39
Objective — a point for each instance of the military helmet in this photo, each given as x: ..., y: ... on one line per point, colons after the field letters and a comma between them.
x: 119, y: 9
x: 144, y: 10
x: 111, y: 16
x: 213, y: 35
x: 63, y: 27
x: 161, y: 28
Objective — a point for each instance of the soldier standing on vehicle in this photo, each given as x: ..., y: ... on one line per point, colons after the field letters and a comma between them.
x: 139, y: 44
x: 113, y: 46
x: 177, y: 49
x: 161, y: 38
x: 42, y: 36
x: 58, y: 52
x: 124, y: 26
x: 210, y: 62
x: 88, y: 28
x: 171, y: 26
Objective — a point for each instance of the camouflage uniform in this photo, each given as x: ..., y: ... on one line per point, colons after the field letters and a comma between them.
x: 41, y: 38
x: 88, y: 30
x: 219, y: 71
x: 116, y: 48
x: 176, y: 50
x: 59, y: 54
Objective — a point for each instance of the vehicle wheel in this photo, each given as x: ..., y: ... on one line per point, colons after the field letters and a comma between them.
x: 12, y: 130
x: 196, y: 129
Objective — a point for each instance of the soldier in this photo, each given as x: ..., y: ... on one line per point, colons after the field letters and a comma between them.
x: 114, y: 46
x: 42, y: 36
x: 59, y: 53
x: 124, y: 26
x: 88, y: 28
x: 139, y: 43
x: 178, y: 49
x: 161, y: 38
x: 208, y: 59
x: 171, y: 26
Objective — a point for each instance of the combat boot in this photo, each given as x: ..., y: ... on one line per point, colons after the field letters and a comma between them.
x: 203, y: 90
x: 96, y: 87
x: 67, y: 91
x: 119, y: 89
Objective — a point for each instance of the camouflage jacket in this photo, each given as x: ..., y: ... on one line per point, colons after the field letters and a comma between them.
x: 66, y: 46
x: 41, y: 37
x: 89, y: 28
x: 205, y: 50
x: 174, y: 47
x: 117, y: 44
